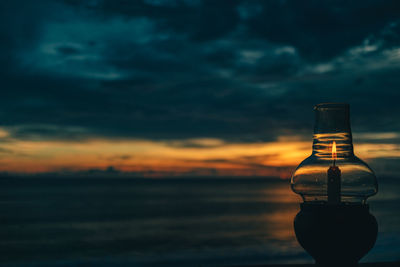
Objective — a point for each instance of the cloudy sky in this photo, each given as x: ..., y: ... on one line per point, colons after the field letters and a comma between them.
x: 193, y: 87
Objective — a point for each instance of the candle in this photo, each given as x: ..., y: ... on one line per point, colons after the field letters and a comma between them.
x: 334, y: 179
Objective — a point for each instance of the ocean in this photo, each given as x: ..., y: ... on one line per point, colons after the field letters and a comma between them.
x: 54, y: 221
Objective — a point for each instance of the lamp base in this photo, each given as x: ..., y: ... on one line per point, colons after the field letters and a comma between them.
x: 335, y: 234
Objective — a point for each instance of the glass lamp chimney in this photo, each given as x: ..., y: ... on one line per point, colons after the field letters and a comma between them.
x: 328, y: 175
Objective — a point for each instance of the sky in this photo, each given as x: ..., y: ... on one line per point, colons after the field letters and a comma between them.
x: 193, y: 87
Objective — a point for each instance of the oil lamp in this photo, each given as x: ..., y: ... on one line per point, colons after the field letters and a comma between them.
x: 334, y: 224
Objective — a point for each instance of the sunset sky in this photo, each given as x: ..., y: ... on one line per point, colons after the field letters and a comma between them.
x: 193, y: 87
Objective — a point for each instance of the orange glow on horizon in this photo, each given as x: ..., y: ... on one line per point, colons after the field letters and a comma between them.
x: 208, y: 156
x: 201, y: 156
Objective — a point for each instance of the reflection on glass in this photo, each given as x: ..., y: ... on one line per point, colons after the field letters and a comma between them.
x: 353, y: 179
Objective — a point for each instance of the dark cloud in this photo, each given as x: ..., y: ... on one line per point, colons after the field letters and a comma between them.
x: 39, y: 132
x: 234, y: 70
x: 198, y: 20
x: 321, y: 30
x: 68, y: 50
x: 6, y: 151
x: 120, y: 157
x: 196, y: 143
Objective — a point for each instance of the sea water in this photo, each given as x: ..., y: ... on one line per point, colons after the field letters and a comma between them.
x: 53, y: 221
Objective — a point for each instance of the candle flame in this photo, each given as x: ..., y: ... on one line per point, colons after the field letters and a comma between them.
x: 334, y: 155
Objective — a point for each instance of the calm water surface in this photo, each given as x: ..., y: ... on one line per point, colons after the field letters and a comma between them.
x: 172, y: 222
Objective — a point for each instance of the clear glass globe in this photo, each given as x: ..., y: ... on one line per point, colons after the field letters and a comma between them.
x: 352, y: 179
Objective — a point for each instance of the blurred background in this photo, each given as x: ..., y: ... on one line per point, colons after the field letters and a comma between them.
x: 165, y: 132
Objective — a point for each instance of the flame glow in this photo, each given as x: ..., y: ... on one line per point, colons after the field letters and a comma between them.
x: 334, y: 155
